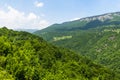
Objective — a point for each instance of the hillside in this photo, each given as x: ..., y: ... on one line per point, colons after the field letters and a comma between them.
x: 24, y: 56
x: 84, y: 23
x: 98, y: 38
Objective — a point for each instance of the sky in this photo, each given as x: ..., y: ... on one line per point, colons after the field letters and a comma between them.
x: 39, y: 14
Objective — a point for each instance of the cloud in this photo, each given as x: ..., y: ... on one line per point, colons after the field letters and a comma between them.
x: 32, y: 16
x: 39, y: 4
x: 13, y: 19
x: 43, y: 23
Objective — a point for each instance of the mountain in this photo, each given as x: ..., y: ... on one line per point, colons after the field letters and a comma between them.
x: 97, y: 37
x: 84, y: 23
x: 24, y: 56
x: 27, y: 30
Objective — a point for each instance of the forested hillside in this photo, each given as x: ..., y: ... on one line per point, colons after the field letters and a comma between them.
x: 84, y: 23
x: 24, y: 56
x: 98, y: 38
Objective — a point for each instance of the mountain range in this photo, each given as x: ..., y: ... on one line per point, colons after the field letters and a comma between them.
x: 84, y: 49
x: 85, y: 23
x: 96, y: 37
x: 27, y: 30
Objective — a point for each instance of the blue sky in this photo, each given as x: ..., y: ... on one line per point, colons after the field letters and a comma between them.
x: 38, y: 14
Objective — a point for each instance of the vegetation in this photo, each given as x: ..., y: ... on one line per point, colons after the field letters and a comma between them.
x: 62, y: 38
x: 100, y: 45
x: 24, y: 56
x: 97, y: 39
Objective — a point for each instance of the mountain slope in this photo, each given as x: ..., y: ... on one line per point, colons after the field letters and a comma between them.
x: 97, y: 38
x: 84, y: 23
x: 24, y: 56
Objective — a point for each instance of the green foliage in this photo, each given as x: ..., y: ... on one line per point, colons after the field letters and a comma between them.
x: 4, y: 75
x: 97, y: 39
x: 99, y: 44
x: 24, y: 56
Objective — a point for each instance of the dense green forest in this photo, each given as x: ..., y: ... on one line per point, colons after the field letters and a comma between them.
x: 24, y: 56
x: 96, y: 37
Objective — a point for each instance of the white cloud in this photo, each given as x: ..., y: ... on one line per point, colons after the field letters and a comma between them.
x: 43, y: 23
x: 32, y: 16
x: 13, y: 18
x: 39, y: 4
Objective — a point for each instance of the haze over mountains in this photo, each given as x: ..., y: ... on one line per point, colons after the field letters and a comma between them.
x: 27, y: 30
x: 97, y: 37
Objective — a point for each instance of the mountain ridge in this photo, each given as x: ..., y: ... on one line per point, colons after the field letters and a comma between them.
x: 98, y: 40
x: 85, y: 23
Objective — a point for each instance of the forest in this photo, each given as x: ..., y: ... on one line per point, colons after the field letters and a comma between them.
x: 94, y: 37
x: 60, y: 40
x: 25, y: 56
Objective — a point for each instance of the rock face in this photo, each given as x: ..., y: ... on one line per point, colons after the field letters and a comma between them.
x: 103, y: 17
x: 84, y: 23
